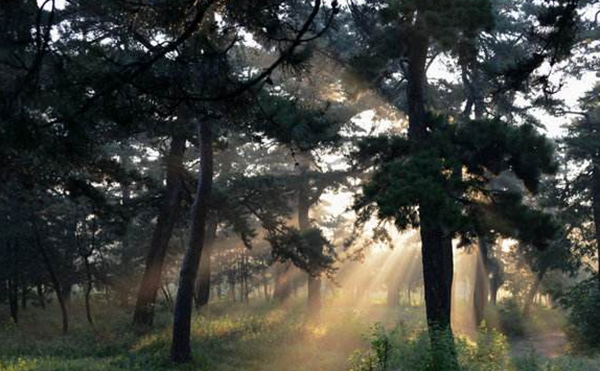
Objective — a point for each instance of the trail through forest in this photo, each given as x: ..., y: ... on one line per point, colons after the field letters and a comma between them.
x: 548, y: 343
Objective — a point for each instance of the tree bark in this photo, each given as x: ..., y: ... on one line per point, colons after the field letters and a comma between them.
x: 436, y: 243
x: 203, y: 284
x: 481, y: 284
x: 529, y: 299
x: 180, y: 347
x: 169, y: 213
x: 13, y: 301
x: 393, y: 294
x: 40, y: 294
x: 283, y: 282
x: 596, y: 208
x: 304, y: 203
x: 88, y: 291
x: 53, y: 277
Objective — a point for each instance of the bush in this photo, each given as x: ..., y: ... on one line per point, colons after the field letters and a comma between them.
x: 400, y: 349
x: 583, y: 303
x: 511, y: 319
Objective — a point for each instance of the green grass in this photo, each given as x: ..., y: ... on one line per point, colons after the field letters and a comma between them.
x: 237, y: 337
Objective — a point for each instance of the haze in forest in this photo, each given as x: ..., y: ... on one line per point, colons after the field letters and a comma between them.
x: 299, y: 185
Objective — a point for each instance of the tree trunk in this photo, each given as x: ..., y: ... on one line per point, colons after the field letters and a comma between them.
x: 203, y: 284
x: 393, y: 294
x: 596, y: 208
x: 40, y: 295
x: 529, y: 299
x: 24, y: 292
x: 13, y: 300
x: 265, y: 283
x: 304, y: 203
x: 283, y: 282
x: 481, y: 284
x: 436, y: 243
x: 88, y: 291
x: 180, y: 347
x: 169, y: 213
x: 53, y: 277
x: 231, y: 280
x: 494, y: 293
x: 314, y: 295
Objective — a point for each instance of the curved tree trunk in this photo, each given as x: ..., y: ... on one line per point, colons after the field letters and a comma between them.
x: 203, y: 283
x: 180, y: 347
x: 169, y: 213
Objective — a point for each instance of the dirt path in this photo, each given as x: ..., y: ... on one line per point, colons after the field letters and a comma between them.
x: 548, y: 344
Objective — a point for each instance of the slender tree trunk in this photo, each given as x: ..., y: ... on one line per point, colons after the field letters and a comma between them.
x: 168, y: 297
x: 493, y: 293
x: 596, y: 208
x: 40, y: 295
x: 13, y: 301
x: 481, y: 284
x: 88, y: 291
x: 393, y: 294
x: 24, y: 292
x: 180, y: 347
x: 53, y: 277
x: 169, y: 213
x: 265, y: 283
x: 436, y: 243
x: 231, y: 280
x: 203, y: 284
x: 529, y: 299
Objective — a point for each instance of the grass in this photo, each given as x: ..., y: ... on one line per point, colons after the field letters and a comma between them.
x: 237, y: 337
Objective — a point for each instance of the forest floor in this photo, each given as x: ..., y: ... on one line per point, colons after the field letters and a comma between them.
x: 225, y: 338
x: 547, y: 344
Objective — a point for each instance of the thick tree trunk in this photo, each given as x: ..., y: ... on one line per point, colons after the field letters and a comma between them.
x: 169, y: 213
x: 283, y: 282
x: 203, y: 284
x: 304, y: 203
x: 436, y: 243
x: 180, y: 347
x: 438, y: 272
x: 314, y: 295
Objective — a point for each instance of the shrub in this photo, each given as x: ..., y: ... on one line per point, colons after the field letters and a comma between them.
x: 583, y: 303
x: 400, y: 349
x: 511, y: 318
